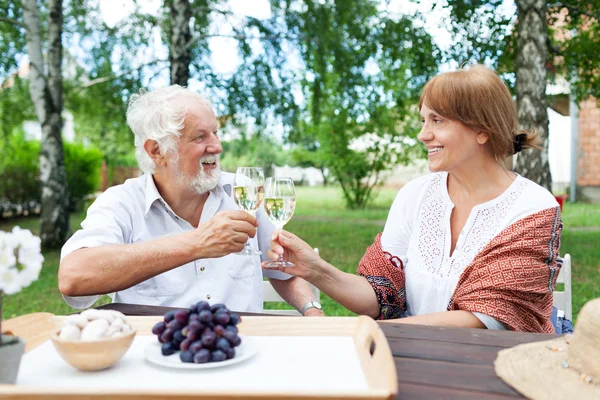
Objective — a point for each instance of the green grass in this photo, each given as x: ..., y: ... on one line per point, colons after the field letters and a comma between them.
x: 342, y: 236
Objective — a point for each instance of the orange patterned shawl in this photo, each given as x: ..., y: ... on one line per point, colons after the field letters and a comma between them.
x: 511, y: 279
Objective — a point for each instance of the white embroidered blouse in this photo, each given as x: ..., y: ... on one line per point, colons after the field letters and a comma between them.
x: 418, y: 232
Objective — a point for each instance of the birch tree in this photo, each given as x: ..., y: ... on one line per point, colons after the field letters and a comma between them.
x: 45, y: 87
x: 532, y: 107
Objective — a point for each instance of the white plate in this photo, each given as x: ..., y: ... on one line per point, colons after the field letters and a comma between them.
x: 244, y: 351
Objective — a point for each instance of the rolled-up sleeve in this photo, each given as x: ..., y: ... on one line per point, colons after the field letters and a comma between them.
x: 106, y: 222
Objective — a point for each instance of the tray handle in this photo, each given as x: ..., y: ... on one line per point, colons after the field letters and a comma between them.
x: 375, y: 356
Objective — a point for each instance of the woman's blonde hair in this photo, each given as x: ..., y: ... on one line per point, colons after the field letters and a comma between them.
x: 477, y: 97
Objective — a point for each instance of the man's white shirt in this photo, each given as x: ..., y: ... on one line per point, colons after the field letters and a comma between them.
x: 135, y: 212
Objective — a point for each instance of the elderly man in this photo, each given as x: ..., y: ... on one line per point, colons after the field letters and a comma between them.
x: 170, y: 236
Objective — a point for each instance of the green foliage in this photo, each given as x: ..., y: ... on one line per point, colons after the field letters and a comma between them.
x: 12, y: 36
x: 484, y: 35
x: 19, y: 168
x: 15, y: 106
x: 361, y: 76
x: 83, y: 172
x: 257, y: 151
x: 574, y: 48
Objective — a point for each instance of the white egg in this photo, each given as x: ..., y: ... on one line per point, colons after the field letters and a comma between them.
x: 115, y: 326
x: 70, y: 332
x: 94, y: 330
x: 91, y: 314
x: 76, y: 319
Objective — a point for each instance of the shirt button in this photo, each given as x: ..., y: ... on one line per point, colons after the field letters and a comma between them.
x: 208, y: 296
x: 202, y: 268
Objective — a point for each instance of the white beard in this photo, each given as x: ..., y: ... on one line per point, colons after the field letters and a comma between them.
x: 202, y: 182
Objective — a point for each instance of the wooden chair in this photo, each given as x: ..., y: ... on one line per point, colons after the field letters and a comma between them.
x: 271, y: 296
x: 563, y: 300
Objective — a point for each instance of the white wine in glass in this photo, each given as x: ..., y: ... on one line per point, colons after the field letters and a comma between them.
x: 280, y: 202
x: 248, y: 193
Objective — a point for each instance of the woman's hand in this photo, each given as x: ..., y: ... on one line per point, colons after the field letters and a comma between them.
x: 308, y: 263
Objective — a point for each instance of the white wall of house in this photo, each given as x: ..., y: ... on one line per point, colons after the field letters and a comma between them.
x: 33, y: 129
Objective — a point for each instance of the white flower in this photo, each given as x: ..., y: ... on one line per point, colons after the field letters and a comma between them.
x: 7, y: 257
x: 8, y: 240
x: 28, y: 275
x: 26, y: 239
x: 9, y: 281
x: 30, y: 259
x: 18, y: 271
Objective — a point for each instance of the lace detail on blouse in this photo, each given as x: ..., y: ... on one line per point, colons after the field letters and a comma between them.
x: 481, y: 226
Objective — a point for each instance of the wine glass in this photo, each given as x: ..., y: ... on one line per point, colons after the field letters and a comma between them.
x: 248, y: 192
x: 280, y: 202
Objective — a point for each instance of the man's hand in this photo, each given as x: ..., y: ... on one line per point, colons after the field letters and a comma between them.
x: 225, y: 233
x: 313, y: 312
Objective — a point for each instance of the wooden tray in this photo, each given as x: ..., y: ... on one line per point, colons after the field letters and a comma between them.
x: 370, y: 344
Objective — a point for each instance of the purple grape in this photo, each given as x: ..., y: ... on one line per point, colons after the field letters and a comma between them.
x: 221, y: 318
x: 159, y: 328
x: 232, y: 328
x: 182, y: 316
x: 169, y: 315
x: 237, y: 341
x: 167, y: 335
x: 230, y: 336
x: 230, y: 353
x: 185, y: 345
x: 195, y: 325
x: 196, y: 346
x: 205, y: 316
x: 193, y: 317
x: 209, y: 339
x: 215, y: 307
x: 175, y: 325
x: 178, y: 336
x: 202, y: 305
x: 202, y: 356
x: 217, y: 356
x: 167, y: 349
x: 218, y: 330
x: 186, y: 356
x: 235, y: 319
x: 176, y: 344
x: 193, y: 334
x: 223, y: 344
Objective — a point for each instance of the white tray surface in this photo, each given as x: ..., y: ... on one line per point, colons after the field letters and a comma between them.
x: 282, y: 364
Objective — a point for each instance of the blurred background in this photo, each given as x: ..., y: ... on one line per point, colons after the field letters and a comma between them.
x: 324, y: 91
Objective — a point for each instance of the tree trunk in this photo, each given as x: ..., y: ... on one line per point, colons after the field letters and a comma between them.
x: 46, y: 94
x: 179, y: 50
x: 531, y: 87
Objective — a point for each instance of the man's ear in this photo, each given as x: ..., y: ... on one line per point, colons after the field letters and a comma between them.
x: 153, y: 150
x: 483, y: 137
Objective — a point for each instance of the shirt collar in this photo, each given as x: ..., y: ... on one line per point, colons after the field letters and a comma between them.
x: 152, y: 194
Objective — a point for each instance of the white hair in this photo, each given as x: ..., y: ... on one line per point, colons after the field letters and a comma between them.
x: 159, y: 115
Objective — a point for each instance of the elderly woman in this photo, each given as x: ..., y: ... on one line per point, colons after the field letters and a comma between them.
x: 472, y: 244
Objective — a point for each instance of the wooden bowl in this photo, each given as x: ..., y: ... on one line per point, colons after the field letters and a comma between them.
x: 93, y: 356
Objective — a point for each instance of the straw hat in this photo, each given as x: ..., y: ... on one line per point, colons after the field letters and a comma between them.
x: 563, y: 368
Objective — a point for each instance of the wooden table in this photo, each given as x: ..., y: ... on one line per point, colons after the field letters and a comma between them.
x: 431, y: 362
